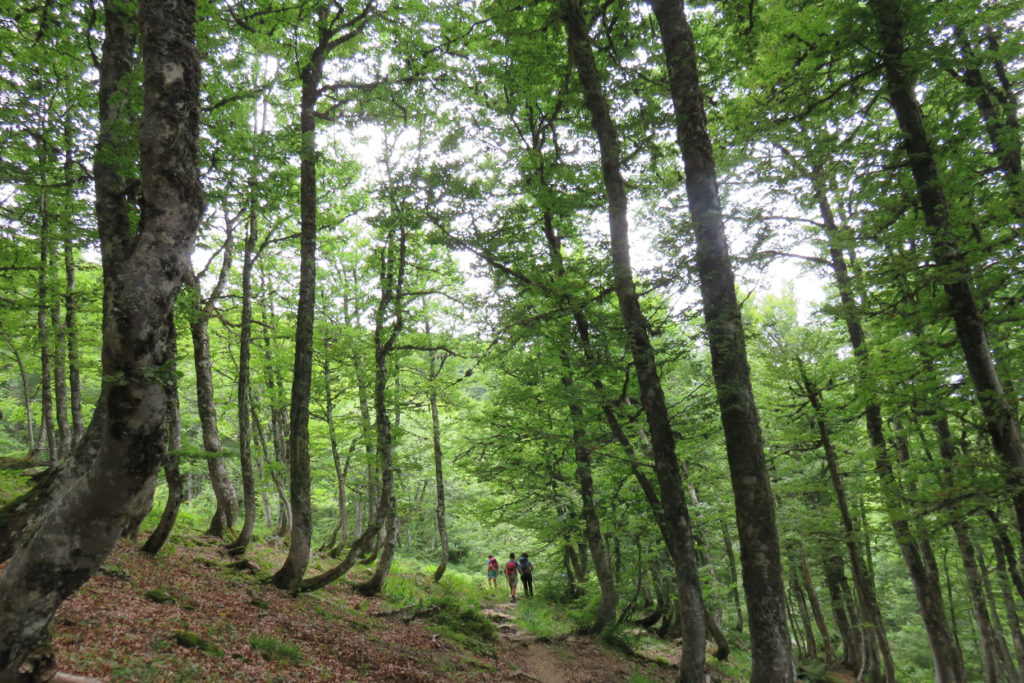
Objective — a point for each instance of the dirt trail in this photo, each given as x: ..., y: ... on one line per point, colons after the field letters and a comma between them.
x: 567, y: 659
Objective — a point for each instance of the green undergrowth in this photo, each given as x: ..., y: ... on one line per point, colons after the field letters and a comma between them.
x: 452, y: 606
x: 542, y: 618
x: 277, y: 650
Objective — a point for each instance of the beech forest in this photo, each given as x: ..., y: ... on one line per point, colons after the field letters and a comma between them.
x: 714, y: 309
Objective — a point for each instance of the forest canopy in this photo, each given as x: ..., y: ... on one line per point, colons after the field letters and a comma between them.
x: 713, y: 308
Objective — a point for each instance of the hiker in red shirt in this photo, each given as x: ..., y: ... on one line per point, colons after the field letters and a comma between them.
x: 492, y: 572
x: 512, y: 574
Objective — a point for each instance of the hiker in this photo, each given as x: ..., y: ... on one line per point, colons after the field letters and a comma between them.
x: 492, y: 572
x: 526, y: 571
x: 512, y: 574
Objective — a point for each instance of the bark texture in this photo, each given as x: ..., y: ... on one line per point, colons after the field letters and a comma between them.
x: 760, y: 555
x: 127, y: 435
x: 244, y: 381
x: 289, y: 576
x: 666, y: 464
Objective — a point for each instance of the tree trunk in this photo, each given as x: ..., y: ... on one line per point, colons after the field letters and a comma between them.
x: 244, y: 391
x: 734, y: 580
x: 70, y: 300
x: 945, y: 653
x: 143, y: 271
x: 990, y: 664
x: 1003, y: 131
x: 175, y: 483
x: 873, y: 641
x: 605, y: 614
x: 1007, y: 665
x: 819, y: 614
x: 842, y: 609
x: 392, y: 285
x: 227, y: 503
x: 921, y: 564
x: 435, y: 430
x: 954, y: 271
x: 27, y: 398
x: 289, y: 576
x: 1009, y: 605
x: 60, y: 370
x: 760, y: 556
x: 341, y: 472
x: 798, y: 597
x: 676, y: 514
x: 43, y: 333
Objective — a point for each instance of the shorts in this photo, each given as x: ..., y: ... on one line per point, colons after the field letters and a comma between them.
x: 492, y: 573
x: 512, y: 579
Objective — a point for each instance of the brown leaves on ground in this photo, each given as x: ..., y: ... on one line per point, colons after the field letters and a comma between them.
x: 111, y: 630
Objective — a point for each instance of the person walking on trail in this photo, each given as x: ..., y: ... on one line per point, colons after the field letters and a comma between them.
x: 512, y: 574
x: 526, y: 571
x: 492, y: 572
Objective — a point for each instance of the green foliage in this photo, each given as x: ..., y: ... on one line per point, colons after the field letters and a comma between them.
x: 466, y: 619
x: 277, y: 650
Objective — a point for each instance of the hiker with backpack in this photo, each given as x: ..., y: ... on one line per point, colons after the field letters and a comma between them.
x: 512, y: 574
x: 526, y: 571
x: 492, y: 572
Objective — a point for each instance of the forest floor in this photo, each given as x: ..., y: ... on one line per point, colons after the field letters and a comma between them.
x: 188, y: 615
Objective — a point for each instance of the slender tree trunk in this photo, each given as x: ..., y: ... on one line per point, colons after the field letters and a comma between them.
x: 60, y: 377
x: 27, y: 398
x: 1009, y: 605
x: 340, y: 471
x: 289, y: 576
x: 945, y: 653
x: 873, y: 640
x: 435, y: 430
x: 244, y: 391
x: 990, y: 660
x: 819, y: 614
x: 70, y: 300
x: 666, y: 464
x: 1003, y: 130
x: 734, y: 580
x: 1007, y: 667
x: 842, y: 609
x: 800, y: 598
x: 43, y: 330
x: 605, y: 614
x: 175, y: 483
x: 392, y: 279
x: 126, y: 439
x: 227, y: 503
x: 760, y: 555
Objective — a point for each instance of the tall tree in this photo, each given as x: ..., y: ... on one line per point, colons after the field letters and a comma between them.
x: 666, y: 464
x: 955, y: 274
x: 335, y: 25
x: 755, y: 511
x: 144, y: 270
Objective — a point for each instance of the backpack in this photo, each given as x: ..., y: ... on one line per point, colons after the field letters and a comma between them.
x: 492, y: 564
x: 525, y: 566
x: 510, y: 567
